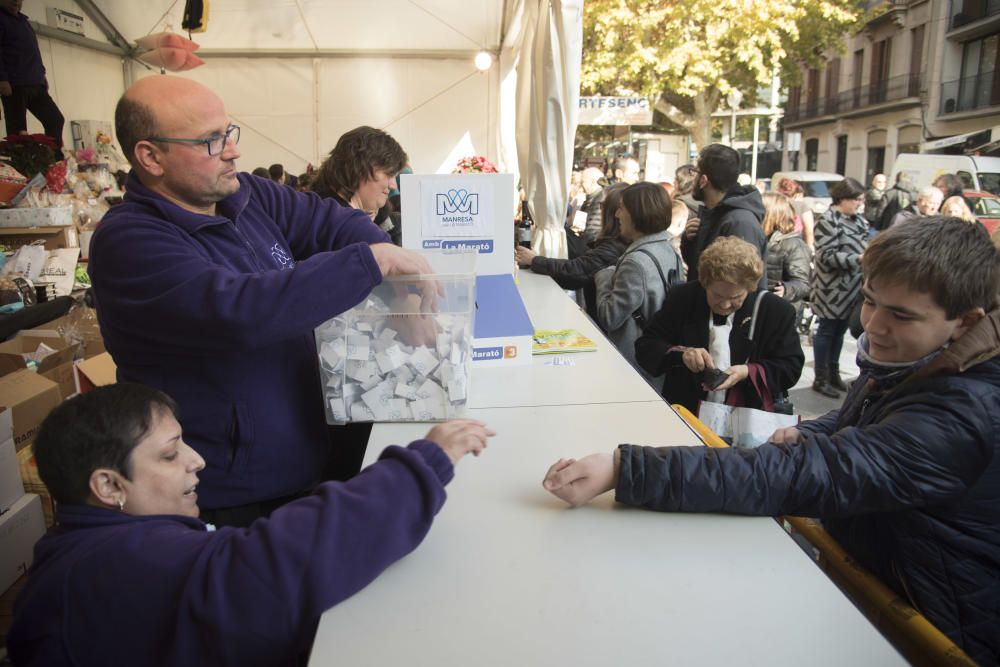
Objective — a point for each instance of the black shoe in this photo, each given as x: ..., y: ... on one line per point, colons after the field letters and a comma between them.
x: 825, y: 388
x: 835, y: 381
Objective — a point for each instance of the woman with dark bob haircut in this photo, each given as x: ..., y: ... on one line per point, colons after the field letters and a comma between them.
x: 130, y: 576
x: 360, y: 172
x: 629, y: 293
x: 841, y: 237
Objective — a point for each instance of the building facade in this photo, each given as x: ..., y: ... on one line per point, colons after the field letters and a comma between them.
x: 924, y: 76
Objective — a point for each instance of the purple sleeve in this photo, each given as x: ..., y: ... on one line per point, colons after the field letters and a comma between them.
x: 310, y: 224
x: 277, y: 577
x: 172, y: 292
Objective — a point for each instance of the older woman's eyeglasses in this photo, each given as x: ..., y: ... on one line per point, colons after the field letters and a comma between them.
x: 215, y: 144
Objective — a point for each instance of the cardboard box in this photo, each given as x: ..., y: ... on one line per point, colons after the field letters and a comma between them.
x: 504, y: 332
x: 74, y: 328
x: 22, y: 344
x: 95, y: 372
x: 56, y: 216
x: 64, y: 377
x: 11, y: 487
x: 57, y: 367
x: 53, y: 237
x: 20, y: 529
x: 30, y: 397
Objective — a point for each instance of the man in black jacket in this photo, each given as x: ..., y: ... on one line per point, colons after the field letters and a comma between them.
x: 906, y: 475
x: 730, y: 209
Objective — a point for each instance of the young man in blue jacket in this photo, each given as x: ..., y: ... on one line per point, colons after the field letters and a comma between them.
x: 208, y: 285
x: 130, y: 576
x: 906, y: 474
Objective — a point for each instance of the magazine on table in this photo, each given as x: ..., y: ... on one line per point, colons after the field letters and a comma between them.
x: 555, y: 341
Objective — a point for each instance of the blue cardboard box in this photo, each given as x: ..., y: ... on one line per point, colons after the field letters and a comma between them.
x: 503, y: 330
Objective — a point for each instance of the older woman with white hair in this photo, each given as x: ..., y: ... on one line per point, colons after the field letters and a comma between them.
x: 928, y: 202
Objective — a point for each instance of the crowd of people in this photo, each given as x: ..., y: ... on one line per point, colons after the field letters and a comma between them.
x: 206, y: 492
x: 906, y: 473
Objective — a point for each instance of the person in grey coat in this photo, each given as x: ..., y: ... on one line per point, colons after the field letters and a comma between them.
x: 788, y: 257
x: 631, y: 292
x: 841, y: 237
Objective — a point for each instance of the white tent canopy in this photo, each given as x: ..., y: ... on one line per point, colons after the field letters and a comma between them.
x: 296, y: 74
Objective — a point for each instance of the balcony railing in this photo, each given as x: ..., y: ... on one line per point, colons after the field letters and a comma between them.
x: 970, y: 93
x: 889, y: 90
x: 964, y: 12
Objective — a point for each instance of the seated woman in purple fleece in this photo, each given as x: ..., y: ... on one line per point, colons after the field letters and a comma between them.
x: 130, y: 576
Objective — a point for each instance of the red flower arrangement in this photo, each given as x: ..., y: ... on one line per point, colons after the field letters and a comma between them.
x: 30, y: 154
x: 475, y: 165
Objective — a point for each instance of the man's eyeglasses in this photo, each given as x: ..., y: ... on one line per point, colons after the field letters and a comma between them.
x: 215, y: 144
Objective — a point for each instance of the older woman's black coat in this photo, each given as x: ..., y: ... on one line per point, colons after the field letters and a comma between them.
x: 683, y: 322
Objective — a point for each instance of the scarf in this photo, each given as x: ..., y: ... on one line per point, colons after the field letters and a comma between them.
x: 877, y: 377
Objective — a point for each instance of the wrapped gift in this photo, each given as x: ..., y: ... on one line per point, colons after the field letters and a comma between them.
x: 36, y: 217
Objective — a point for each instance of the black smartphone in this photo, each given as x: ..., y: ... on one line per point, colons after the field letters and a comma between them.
x: 712, y: 378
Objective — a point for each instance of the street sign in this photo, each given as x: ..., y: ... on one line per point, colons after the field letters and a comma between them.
x: 599, y: 110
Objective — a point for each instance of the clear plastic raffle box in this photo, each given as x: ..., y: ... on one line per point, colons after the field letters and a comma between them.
x: 405, y: 352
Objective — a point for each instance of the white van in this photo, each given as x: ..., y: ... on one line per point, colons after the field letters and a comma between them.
x: 977, y: 173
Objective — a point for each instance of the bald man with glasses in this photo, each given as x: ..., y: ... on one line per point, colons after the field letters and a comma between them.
x: 208, y: 284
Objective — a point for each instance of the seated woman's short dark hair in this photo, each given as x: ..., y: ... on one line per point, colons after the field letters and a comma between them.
x: 649, y: 206
x: 355, y: 158
x: 98, y: 429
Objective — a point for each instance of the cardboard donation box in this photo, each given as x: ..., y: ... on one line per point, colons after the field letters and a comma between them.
x: 405, y: 352
x: 56, y: 362
x: 29, y: 397
x: 474, y: 212
x: 20, y: 529
x: 503, y: 333
x: 95, y: 372
x: 11, y: 487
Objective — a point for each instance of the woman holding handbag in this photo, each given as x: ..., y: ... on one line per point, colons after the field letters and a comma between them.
x: 721, y: 339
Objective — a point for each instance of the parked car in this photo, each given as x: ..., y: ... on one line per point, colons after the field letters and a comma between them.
x: 976, y: 173
x: 986, y: 206
x: 816, y: 185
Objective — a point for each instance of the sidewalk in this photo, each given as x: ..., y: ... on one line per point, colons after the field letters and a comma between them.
x: 807, y: 402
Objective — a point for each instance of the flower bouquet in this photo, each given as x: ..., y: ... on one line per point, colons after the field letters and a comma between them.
x: 29, y: 154
x: 475, y: 165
